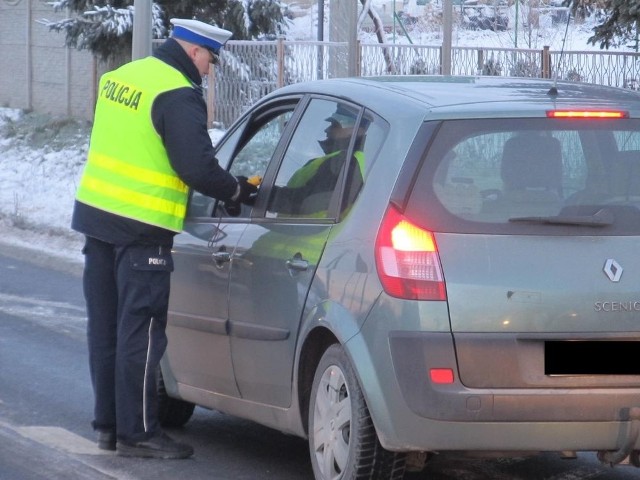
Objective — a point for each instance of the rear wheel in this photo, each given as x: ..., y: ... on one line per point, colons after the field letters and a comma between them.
x: 172, y: 412
x: 342, y: 440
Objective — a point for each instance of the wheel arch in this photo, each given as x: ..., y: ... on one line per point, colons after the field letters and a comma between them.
x: 315, y: 344
x: 327, y: 323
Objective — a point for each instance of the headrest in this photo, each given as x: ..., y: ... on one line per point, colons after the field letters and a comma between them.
x: 530, y: 160
x: 624, y: 173
x: 194, y: 31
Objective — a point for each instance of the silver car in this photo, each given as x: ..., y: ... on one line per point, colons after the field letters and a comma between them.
x: 431, y: 264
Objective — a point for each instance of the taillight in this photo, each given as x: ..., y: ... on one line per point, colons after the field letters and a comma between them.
x: 587, y: 114
x: 407, y: 259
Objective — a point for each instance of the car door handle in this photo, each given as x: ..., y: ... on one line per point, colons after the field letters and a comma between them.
x: 297, y: 263
x: 221, y: 257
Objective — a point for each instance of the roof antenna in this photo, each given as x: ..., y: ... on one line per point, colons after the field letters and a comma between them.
x: 554, y: 89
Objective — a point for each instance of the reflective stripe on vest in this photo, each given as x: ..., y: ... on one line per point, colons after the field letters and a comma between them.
x: 128, y: 172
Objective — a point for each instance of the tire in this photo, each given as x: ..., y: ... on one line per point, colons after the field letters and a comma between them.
x: 342, y: 439
x: 172, y: 412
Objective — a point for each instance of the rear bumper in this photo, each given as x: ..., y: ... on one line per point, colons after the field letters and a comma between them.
x: 414, y: 353
x: 412, y: 414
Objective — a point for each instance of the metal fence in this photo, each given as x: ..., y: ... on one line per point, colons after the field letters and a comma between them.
x: 250, y: 70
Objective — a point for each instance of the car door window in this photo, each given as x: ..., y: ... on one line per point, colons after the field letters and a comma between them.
x: 257, y: 142
x: 369, y: 138
x: 201, y: 205
x: 314, y: 161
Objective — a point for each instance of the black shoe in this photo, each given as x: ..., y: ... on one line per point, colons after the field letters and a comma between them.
x: 106, y: 439
x: 158, y: 446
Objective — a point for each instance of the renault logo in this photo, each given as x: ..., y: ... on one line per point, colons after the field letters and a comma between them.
x: 613, y: 270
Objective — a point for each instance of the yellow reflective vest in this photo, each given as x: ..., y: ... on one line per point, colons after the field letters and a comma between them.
x: 309, y: 170
x: 304, y: 174
x: 128, y: 172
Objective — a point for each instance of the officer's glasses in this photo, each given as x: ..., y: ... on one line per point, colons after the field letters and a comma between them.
x: 213, y: 58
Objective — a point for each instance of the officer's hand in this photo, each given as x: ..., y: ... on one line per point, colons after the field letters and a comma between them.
x: 247, y: 193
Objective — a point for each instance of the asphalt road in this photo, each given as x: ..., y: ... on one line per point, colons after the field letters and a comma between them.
x: 45, y: 407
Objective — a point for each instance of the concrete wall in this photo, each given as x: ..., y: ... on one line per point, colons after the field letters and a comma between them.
x: 37, y: 71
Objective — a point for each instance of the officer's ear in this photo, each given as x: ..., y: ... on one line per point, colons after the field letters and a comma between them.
x: 192, y: 51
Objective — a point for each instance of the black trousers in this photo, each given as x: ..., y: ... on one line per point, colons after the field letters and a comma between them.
x: 127, y: 293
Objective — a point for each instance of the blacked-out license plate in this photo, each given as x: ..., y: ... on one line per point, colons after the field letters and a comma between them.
x: 592, y: 358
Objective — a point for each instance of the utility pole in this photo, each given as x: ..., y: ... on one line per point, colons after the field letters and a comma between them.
x: 352, y: 16
x: 394, y: 22
x: 517, y: 19
x: 447, y: 28
x: 141, y: 44
x: 343, y: 21
x: 320, y: 21
x: 320, y: 66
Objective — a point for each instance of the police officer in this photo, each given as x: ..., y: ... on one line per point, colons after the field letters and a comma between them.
x: 149, y: 145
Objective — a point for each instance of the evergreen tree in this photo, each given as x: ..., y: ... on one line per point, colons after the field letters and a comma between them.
x: 105, y: 27
x: 621, y: 19
x: 247, y: 19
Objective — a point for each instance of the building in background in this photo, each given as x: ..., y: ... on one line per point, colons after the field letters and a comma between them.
x: 38, y: 71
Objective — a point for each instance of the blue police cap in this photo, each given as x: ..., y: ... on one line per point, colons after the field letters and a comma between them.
x: 200, y: 33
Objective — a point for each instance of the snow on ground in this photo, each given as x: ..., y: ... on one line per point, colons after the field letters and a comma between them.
x: 41, y: 158
x: 37, y: 181
x: 41, y: 161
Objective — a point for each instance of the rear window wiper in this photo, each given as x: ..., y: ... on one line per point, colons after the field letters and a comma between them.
x: 601, y: 218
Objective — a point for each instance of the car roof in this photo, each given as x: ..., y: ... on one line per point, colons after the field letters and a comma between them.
x: 468, y: 97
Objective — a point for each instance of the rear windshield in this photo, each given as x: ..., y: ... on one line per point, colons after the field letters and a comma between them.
x: 543, y: 175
